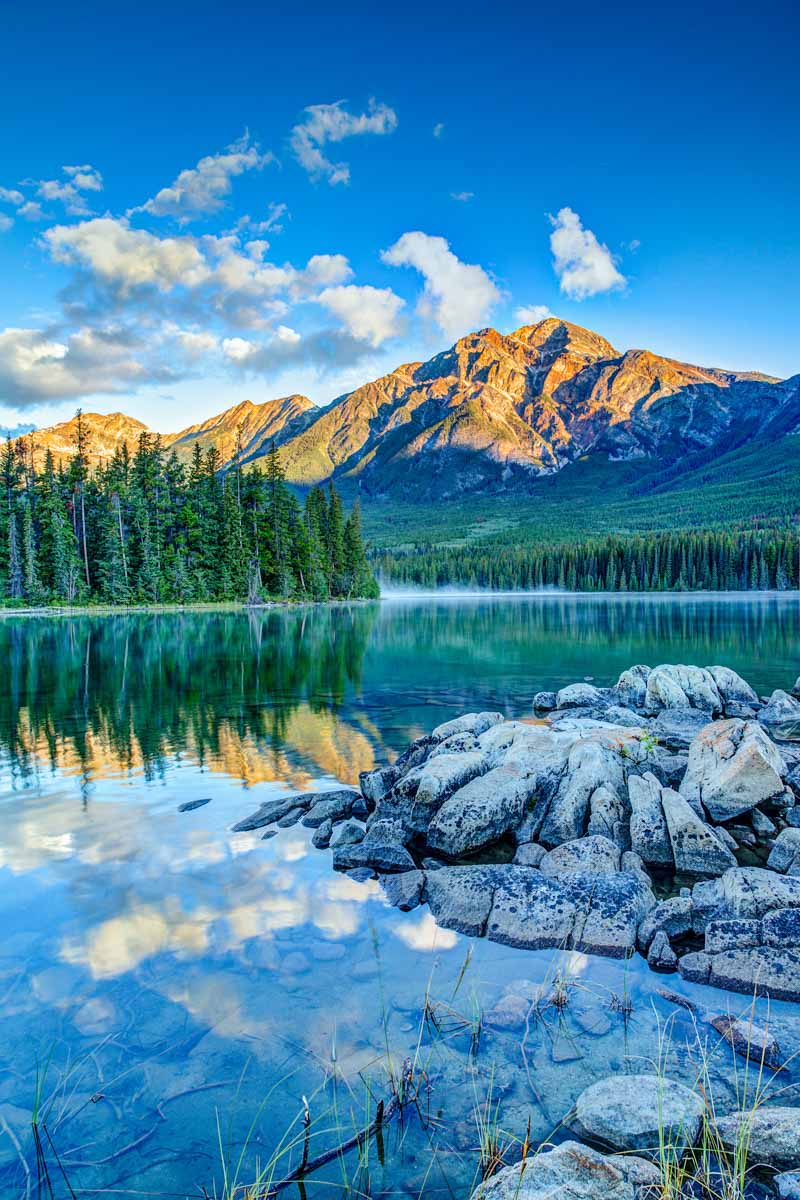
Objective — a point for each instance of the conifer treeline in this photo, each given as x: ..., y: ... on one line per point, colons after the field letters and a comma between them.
x: 732, y: 560
x: 146, y: 529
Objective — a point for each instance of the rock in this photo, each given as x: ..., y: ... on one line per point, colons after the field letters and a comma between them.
x: 295, y: 963
x: 273, y: 810
x: 639, y: 1112
x: 781, y: 927
x: 672, y: 917
x: 632, y: 863
x: 322, y: 835
x: 590, y: 765
x: 349, y: 833
x: 733, y: 767
x: 474, y: 723
x: 530, y: 911
x: 572, y: 1172
x: 423, y: 791
x: 632, y: 686
x: 669, y: 768
x: 796, y: 688
x: 732, y: 934
x: 271, y: 833
x: 291, y: 818
x: 750, y: 1040
x: 679, y: 686
x: 460, y: 898
x: 732, y: 688
x: 608, y: 817
x: 362, y: 808
x: 191, y: 805
x: 594, y: 853
x: 415, y: 753
x: 329, y: 806
x: 760, y: 971
x: 544, y: 701
x: 661, y: 956
x: 738, y: 835
x: 455, y: 744
x: 677, y: 728
x: 787, y: 1184
x: 380, y: 857
x: 386, y: 831
x: 510, y: 1011
x: 695, y: 967
x: 404, y: 891
x: 376, y: 785
x: 772, y: 1133
x: 481, y: 812
x: 781, y: 709
x: 785, y: 854
x: 748, y: 892
x: 792, y: 816
x: 761, y: 823
x: 649, y: 832
x: 529, y: 854
x: 696, y: 848
x: 581, y: 695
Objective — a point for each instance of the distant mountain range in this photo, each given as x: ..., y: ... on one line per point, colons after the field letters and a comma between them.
x: 487, y: 416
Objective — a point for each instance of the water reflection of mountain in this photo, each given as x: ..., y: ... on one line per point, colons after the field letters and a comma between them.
x: 259, y: 696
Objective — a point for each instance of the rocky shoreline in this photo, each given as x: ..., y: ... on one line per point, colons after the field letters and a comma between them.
x: 661, y: 815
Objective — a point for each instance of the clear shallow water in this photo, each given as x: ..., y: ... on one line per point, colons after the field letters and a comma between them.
x: 177, y: 986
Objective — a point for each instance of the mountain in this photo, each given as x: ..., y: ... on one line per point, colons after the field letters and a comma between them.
x: 104, y: 435
x: 490, y: 416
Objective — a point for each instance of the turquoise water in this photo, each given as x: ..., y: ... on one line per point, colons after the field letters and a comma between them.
x: 170, y: 990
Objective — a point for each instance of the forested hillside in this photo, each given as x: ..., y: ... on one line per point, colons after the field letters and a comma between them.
x: 145, y: 528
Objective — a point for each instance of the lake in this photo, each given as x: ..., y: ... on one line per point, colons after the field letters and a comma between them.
x: 174, y: 995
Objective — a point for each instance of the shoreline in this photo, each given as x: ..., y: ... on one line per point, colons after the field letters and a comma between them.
x: 109, y: 610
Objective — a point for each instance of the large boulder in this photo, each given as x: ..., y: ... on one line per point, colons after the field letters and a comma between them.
x: 649, y: 832
x: 419, y: 795
x: 785, y: 854
x: 639, y: 1112
x: 530, y: 911
x: 696, y: 847
x: 679, y: 686
x: 733, y: 766
x: 771, y: 1133
x: 474, y: 723
x: 460, y: 898
x: 591, y: 764
x: 572, y: 1171
x: 582, y: 695
x: 742, y: 892
x: 595, y: 853
x: 377, y: 784
x: 755, y: 971
x: 732, y: 688
x: 632, y: 686
x: 481, y: 812
x: 781, y: 712
x: 609, y: 817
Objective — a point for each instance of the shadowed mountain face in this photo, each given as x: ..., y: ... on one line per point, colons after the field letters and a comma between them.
x: 491, y: 413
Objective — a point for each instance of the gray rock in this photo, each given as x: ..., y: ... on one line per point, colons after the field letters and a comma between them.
x: 649, y: 832
x: 474, y: 723
x: 610, y: 909
x: 481, y: 812
x: 590, y: 765
x: 633, y: 1112
x: 460, y: 898
x: 457, y: 743
x: 695, y: 967
x: 582, y: 695
x: 732, y: 934
x: 415, y: 753
x: 270, y: 833
x: 761, y: 971
x: 291, y: 818
x: 380, y: 857
x: 661, y: 956
x: 750, y: 1039
x: 191, y: 805
x: 677, y: 728
x: 668, y: 767
x: 329, y: 806
x: 781, y: 927
x: 678, y: 686
x: 572, y: 1172
x: 733, y: 767
x: 773, y: 1134
x: 785, y: 854
x: 632, y: 863
x: 672, y: 917
x: 544, y: 701
x: 321, y: 837
x: 404, y: 891
x: 796, y: 688
x: 609, y: 817
x: 349, y: 833
x: 632, y: 686
x: 375, y: 785
x: 732, y: 688
x: 748, y: 892
x: 423, y: 791
x: 792, y: 816
x: 530, y: 911
x: 595, y: 853
x: 529, y: 854
x: 762, y: 825
x: 780, y: 710
x: 739, y: 835
x: 272, y: 811
x: 386, y: 830
x: 787, y: 1184
x: 696, y: 848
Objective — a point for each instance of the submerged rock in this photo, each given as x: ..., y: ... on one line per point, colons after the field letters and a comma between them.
x: 639, y: 1112
x: 772, y: 1134
x: 749, y: 1039
x: 572, y: 1172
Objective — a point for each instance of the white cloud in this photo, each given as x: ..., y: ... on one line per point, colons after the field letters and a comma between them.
x: 584, y: 266
x: 11, y: 196
x: 531, y: 314
x: 37, y: 367
x: 5, y: 223
x: 462, y: 197
x: 238, y: 348
x: 87, y: 178
x: 125, y: 258
x: 327, y: 269
x: 458, y: 296
x: 203, y: 189
x: 285, y: 333
x: 31, y: 211
x: 370, y: 314
x: 325, y: 123
x: 438, y: 129
x: 69, y: 191
x: 196, y: 344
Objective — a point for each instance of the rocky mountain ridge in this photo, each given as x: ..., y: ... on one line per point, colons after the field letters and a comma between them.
x: 489, y: 414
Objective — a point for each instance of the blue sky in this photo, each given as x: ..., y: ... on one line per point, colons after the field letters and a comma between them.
x: 202, y: 204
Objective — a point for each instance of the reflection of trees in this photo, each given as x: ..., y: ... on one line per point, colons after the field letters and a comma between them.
x: 138, y: 687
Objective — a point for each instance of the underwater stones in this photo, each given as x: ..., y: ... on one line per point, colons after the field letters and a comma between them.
x: 749, y: 1039
x: 404, y: 891
x: 648, y: 826
x: 733, y: 767
x: 632, y: 685
x: 678, y: 686
x: 637, y: 1112
x: 481, y: 812
x: 595, y: 853
x: 696, y: 848
x: 772, y: 1132
x: 785, y: 854
x: 191, y: 805
x: 328, y: 806
x: 661, y: 956
x: 349, y: 833
x: 474, y: 723
x: 460, y: 898
x: 571, y: 1172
